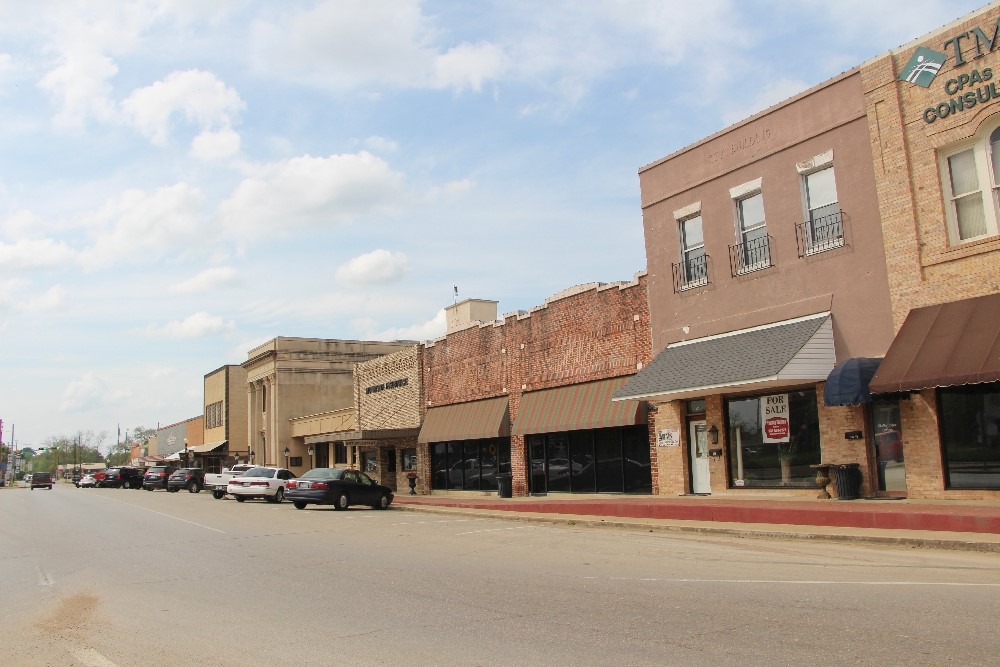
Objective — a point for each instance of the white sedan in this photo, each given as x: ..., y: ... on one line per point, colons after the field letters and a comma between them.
x: 260, y: 482
x: 87, y: 482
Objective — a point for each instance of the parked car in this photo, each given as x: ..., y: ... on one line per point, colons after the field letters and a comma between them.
x: 217, y: 482
x: 27, y: 480
x: 156, y: 477
x: 122, y: 477
x: 87, y: 482
x: 260, y: 482
x: 192, y: 479
x: 40, y: 480
x: 338, y: 487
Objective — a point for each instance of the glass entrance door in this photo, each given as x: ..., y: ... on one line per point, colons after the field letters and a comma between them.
x: 888, y: 441
x: 536, y: 463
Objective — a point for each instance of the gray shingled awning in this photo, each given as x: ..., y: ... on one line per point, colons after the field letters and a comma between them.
x: 779, y: 354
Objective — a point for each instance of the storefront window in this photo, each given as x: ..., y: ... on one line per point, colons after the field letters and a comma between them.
x: 773, y: 439
x: 470, y: 465
x: 369, y: 461
x: 410, y: 459
x: 970, y: 435
x: 607, y: 460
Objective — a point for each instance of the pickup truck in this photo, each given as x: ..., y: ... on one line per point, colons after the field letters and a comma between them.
x: 217, y: 482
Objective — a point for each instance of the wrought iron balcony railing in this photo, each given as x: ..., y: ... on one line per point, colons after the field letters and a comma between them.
x: 753, y: 255
x: 820, y: 234
x: 690, y: 273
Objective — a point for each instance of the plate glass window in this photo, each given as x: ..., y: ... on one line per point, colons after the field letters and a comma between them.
x: 824, y: 226
x: 694, y: 265
x: 754, y: 251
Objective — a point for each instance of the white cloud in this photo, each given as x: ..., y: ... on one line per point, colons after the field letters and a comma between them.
x: 50, y: 300
x: 468, y: 66
x: 29, y: 254
x: 207, y: 281
x: 198, y: 325
x: 429, y: 330
x: 345, y: 44
x: 219, y: 145
x: 82, y: 394
x: 80, y: 86
x: 308, y: 192
x: 200, y: 97
x: 450, y: 189
x: 139, y: 226
x: 376, y: 267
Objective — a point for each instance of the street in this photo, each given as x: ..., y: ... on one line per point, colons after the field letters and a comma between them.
x: 104, y: 577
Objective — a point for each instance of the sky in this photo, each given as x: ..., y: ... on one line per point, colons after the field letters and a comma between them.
x: 181, y: 180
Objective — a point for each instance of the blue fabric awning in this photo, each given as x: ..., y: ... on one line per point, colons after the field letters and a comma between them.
x: 847, y: 383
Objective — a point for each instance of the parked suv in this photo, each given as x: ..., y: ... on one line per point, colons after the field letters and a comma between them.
x: 122, y: 477
x: 40, y: 480
x: 192, y: 479
x: 156, y: 477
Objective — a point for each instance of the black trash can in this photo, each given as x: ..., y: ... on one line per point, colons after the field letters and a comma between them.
x: 847, y: 478
x: 504, y: 483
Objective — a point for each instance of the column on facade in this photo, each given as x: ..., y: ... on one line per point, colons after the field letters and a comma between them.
x: 251, y: 422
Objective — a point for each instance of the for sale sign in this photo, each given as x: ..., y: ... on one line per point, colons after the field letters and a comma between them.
x: 774, y: 418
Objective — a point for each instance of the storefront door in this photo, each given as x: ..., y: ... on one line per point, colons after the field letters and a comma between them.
x: 698, y: 439
x: 888, y: 442
x: 536, y: 463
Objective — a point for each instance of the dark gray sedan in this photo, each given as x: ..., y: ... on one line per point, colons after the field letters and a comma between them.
x: 338, y: 487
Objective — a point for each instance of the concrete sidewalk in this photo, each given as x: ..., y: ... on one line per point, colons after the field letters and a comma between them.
x: 967, y: 525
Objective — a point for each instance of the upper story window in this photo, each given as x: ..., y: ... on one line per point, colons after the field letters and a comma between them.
x: 970, y: 175
x: 694, y: 265
x: 824, y: 228
x: 752, y: 251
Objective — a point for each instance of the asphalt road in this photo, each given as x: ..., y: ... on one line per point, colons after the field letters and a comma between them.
x: 104, y: 577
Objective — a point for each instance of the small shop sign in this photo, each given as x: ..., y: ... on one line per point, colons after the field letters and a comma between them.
x: 668, y: 437
x: 774, y: 417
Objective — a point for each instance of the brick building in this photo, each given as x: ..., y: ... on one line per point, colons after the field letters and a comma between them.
x: 530, y: 395
x: 225, y: 419
x: 766, y: 271
x: 933, y: 111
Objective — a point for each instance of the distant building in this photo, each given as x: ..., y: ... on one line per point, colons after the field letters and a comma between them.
x: 226, y: 439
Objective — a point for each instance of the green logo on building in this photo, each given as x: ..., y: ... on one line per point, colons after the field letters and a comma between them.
x: 923, y: 67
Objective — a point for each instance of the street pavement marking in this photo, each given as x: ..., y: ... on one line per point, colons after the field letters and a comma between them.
x: 807, y: 582
x: 92, y: 658
x: 44, y: 578
x: 493, y: 530
x: 169, y: 516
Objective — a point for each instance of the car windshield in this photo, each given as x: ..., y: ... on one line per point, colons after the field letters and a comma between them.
x: 323, y: 473
x: 259, y: 472
x: 41, y: 475
x: 157, y: 469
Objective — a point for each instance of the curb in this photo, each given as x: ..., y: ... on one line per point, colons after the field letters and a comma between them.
x: 667, y: 526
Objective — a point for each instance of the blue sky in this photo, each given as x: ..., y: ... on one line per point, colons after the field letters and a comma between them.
x: 183, y: 180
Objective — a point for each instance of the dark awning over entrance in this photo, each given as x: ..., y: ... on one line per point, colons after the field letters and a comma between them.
x: 944, y: 345
x: 489, y: 418
x: 577, y: 407
x: 847, y: 383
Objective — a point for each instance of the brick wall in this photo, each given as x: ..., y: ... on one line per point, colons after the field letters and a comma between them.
x: 586, y: 333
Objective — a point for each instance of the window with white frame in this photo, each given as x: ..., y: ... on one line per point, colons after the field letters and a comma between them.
x: 752, y: 252
x: 694, y: 262
x: 824, y: 228
x: 971, y: 180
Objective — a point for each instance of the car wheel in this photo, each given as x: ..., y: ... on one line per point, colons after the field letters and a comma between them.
x: 342, y: 502
x: 193, y: 487
x: 241, y: 499
x: 383, y: 502
x: 279, y: 495
x: 218, y: 495
x: 299, y: 505
x: 126, y: 484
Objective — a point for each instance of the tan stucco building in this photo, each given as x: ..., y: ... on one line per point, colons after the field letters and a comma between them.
x: 289, y: 378
x: 225, y: 418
